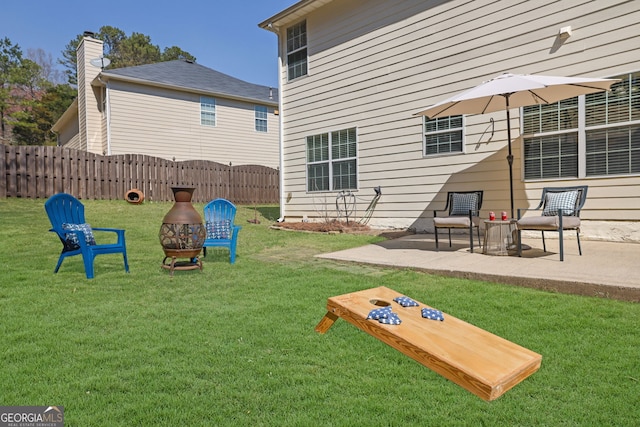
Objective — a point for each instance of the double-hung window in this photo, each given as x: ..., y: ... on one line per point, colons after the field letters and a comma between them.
x: 443, y: 135
x: 297, y: 50
x: 261, y: 118
x: 553, y: 152
x: 331, y: 161
x: 613, y: 129
x: 593, y: 135
x: 207, y: 111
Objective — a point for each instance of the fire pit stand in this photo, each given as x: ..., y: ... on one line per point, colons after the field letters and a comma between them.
x: 172, y: 264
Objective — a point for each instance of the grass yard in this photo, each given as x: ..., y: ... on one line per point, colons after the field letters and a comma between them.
x: 236, y: 346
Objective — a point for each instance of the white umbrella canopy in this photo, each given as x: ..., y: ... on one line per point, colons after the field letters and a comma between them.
x: 514, y: 91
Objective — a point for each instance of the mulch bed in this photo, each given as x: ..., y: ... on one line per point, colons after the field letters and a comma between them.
x: 336, y: 227
x: 325, y: 227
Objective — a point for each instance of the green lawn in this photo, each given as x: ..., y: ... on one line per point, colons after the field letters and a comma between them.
x: 235, y: 345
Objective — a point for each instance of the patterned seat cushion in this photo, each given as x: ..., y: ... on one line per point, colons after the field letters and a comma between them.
x: 218, y: 229
x: 462, y: 203
x: 565, y: 200
x: 72, y: 238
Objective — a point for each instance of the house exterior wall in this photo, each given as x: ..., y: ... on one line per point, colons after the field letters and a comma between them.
x: 119, y: 117
x: 71, y: 136
x: 374, y: 63
x: 166, y: 123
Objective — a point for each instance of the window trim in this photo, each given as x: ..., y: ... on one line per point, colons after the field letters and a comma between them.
x: 204, y: 101
x: 581, y: 131
x: 331, y: 161
x: 461, y: 129
x: 259, y: 118
x: 297, y: 50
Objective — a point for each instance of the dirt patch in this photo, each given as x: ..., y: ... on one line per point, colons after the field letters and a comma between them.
x: 325, y: 227
x: 337, y: 227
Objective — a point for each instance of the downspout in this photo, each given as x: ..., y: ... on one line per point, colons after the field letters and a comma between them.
x: 275, y: 30
x: 107, y: 107
x: 107, y: 111
x: 281, y: 133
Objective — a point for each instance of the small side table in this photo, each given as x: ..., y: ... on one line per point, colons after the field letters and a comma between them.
x: 500, y: 237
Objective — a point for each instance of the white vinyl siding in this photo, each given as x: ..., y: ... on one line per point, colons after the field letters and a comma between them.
x: 331, y: 161
x: 207, y: 111
x: 553, y: 136
x: 166, y: 123
x: 376, y: 63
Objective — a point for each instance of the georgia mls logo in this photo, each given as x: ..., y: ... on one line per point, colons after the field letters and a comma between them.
x: 31, y: 416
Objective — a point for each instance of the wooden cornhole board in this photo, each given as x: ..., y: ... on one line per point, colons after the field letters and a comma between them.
x: 473, y: 358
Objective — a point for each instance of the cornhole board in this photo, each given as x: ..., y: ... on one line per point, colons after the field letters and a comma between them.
x: 479, y: 361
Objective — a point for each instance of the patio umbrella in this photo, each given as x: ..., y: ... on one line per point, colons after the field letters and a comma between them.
x: 508, y: 91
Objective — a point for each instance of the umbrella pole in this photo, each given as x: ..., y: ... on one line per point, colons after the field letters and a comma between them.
x: 510, y: 156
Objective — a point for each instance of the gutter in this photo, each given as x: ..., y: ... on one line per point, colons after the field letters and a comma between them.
x: 292, y: 13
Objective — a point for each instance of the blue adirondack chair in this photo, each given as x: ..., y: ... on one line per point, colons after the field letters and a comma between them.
x: 219, y: 215
x: 66, y: 214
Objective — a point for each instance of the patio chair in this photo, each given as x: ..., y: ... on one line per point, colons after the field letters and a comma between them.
x: 219, y: 215
x: 66, y: 214
x: 463, y: 211
x: 560, y: 210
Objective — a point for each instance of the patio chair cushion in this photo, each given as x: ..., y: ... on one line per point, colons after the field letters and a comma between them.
x: 565, y: 200
x: 548, y: 222
x: 218, y: 229
x: 72, y: 238
x: 463, y: 203
x: 455, y: 221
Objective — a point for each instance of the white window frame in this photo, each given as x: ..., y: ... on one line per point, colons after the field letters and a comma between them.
x: 582, y: 130
x: 443, y: 129
x: 296, y: 46
x: 261, y: 115
x: 208, y: 116
x: 561, y: 129
x: 333, y: 159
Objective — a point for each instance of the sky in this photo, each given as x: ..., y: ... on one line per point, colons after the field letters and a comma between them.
x: 221, y: 34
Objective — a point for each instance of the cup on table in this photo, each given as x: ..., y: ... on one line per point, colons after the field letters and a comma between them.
x: 492, y: 216
x: 504, y: 216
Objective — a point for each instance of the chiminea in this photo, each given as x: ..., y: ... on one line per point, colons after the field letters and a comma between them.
x: 182, y: 233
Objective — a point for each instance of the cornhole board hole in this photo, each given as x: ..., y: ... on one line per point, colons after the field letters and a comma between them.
x: 479, y: 361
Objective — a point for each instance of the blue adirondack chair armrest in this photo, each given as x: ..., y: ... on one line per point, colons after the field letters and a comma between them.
x: 118, y: 231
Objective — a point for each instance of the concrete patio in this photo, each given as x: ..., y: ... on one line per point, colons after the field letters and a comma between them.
x: 606, y: 269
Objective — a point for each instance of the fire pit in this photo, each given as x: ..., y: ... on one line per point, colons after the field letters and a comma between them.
x: 182, y: 233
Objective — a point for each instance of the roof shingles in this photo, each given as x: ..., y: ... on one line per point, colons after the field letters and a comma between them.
x: 191, y: 76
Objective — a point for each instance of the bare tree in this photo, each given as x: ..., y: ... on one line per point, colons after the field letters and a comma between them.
x: 48, y: 70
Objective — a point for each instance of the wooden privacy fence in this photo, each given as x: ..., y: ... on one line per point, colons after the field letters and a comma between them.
x: 39, y: 172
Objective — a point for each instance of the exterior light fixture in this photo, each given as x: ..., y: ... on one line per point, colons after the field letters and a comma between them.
x: 565, y: 32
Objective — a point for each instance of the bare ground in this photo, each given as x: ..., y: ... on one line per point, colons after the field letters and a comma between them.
x: 339, y: 227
